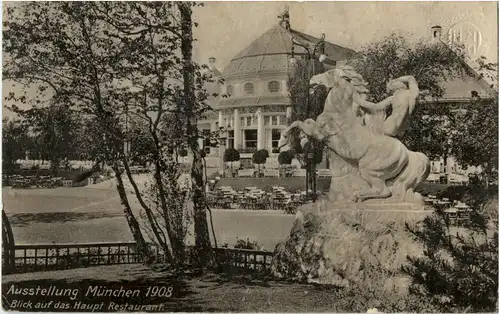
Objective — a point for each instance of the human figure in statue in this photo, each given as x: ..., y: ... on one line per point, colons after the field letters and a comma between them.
x: 402, y: 102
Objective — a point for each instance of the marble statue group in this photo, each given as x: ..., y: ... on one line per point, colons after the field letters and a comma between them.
x: 368, y: 161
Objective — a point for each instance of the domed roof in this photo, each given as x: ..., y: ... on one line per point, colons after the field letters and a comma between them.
x: 272, y: 50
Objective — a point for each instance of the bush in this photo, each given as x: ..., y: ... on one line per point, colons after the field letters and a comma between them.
x: 183, y: 152
x: 285, y: 158
x: 247, y: 245
x: 231, y: 155
x: 260, y: 157
x: 459, y: 269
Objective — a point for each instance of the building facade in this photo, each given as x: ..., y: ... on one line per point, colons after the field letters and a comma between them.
x: 253, y: 106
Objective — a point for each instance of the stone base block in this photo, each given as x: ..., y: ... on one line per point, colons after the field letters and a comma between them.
x: 362, y: 243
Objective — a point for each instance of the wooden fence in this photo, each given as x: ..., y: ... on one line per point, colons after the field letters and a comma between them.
x: 250, y: 260
x: 42, y: 257
x: 38, y: 257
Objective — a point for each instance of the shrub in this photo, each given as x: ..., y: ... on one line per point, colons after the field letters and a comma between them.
x: 231, y: 155
x: 285, y: 158
x: 247, y: 245
x: 260, y: 157
x: 459, y: 269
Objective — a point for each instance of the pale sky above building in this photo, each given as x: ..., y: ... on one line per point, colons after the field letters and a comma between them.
x: 226, y: 28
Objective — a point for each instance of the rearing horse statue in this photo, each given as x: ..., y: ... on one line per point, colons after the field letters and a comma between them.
x: 387, y: 167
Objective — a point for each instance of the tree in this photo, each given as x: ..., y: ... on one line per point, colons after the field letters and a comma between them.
x: 476, y: 138
x: 231, y: 155
x: 56, y: 130
x: 191, y: 103
x: 305, y: 102
x: 66, y: 53
x: 285, y: 158
x: 260, y: 157
x: 431, y: 64
x: 14, y: 144
x: 113, y: 62
x: 459, y: 269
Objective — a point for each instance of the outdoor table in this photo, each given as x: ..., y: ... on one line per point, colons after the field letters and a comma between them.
x: 429, y: 201
x: 462, y: 206
x: 441, y: 204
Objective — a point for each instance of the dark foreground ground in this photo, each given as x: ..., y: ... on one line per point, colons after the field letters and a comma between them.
x: 192, y: 293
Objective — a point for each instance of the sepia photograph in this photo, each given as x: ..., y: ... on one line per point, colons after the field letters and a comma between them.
x: 225, y: 156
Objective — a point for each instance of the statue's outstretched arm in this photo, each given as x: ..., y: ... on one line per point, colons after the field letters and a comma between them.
x: 375, y: 106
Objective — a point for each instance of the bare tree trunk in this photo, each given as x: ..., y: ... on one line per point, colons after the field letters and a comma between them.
x: 202, y: 238
x: 133, y: 224
x: 155, y: 227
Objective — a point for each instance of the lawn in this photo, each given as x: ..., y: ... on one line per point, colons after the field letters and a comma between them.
x: 190, y: 293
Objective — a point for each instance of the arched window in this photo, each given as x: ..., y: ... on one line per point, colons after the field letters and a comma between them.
x: 230, y: 90
x: 273, y: 86
x: 248, y: 88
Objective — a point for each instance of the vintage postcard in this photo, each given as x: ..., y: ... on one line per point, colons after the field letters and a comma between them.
x: 250, y: 156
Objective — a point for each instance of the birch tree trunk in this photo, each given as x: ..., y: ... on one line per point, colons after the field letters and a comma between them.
x: 204, y: 254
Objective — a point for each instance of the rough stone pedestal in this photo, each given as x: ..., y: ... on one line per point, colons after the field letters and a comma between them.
x: 358, y: 243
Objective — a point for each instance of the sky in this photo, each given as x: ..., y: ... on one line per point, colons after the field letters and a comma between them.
x: 226, y: 28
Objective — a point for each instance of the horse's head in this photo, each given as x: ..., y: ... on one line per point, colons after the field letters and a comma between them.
x: 340, y: 77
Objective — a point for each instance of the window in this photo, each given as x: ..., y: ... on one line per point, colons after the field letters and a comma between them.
x: 249, y: 121
x: 276, y: 135
x: 251, y: 138
x: 230, y: 90
x: 273, y: 86
x: 274, y: 120
x: 230, y: 139
x: 248, y: 88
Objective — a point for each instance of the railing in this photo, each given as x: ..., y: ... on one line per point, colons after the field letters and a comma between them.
x: 37, y: 257
x: 44, y: 257
x: 250, y: 260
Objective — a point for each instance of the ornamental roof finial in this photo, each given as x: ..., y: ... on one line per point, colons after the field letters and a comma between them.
x: 285, y: 18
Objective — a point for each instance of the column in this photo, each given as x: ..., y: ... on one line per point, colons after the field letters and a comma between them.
x: 237, y: 129
x: 221, y: 120
x: 270, y: 139
x: 288, y: 114
x: 260, y: 129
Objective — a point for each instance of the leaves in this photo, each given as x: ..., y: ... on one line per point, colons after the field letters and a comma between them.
x: 393, y: 56
x: 231, y: 155
x: 459, y: 269
x: 439, y: 130
x: 116, y: 68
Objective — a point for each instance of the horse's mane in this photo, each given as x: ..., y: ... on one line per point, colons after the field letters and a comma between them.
x: 346, y: 82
